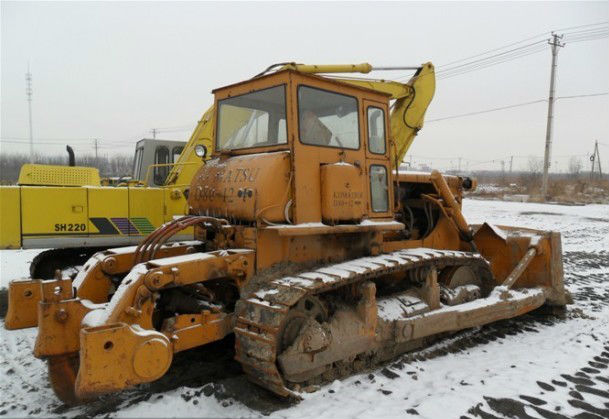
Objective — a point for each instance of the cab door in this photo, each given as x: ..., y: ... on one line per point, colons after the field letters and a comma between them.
x: 378, y: 164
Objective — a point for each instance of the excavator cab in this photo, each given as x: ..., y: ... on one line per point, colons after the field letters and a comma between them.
x: 310, y: 246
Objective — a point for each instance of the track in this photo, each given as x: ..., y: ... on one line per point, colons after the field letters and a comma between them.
x: 260, y: 319
x: 45, y: 263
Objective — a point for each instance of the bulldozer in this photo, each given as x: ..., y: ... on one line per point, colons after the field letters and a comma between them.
x: 311, y: 246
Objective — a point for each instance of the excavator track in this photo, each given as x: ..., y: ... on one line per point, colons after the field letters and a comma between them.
x: 45, y: 264
x: 263, y: 314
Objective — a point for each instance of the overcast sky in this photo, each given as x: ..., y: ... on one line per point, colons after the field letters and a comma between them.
x: 113, y: 71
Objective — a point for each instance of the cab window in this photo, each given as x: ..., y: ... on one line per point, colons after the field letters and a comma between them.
x: 327, y: 119
x: 376, y: 130
x: 161, y: 156
x: 137, y: 166
x: 379, y: 191
x: 254, y: 119
x: 175, y: 153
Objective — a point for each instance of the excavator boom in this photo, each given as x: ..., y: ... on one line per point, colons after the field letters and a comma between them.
x: 189, y: 162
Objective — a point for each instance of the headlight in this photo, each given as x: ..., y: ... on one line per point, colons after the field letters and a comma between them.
x: 201, y: 150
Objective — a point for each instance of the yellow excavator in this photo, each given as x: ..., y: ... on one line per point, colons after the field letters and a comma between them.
x: 311, y: 246
x: 74, y: 213
x: 83, y: 214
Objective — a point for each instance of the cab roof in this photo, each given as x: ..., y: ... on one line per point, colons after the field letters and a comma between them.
x: 307, y: 75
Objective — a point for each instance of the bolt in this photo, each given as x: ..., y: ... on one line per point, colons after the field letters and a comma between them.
x: 109, y: 264
x: 131, y: 311
x: 61, y: 315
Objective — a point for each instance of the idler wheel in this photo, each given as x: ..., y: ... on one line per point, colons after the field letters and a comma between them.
x: 461, y: 275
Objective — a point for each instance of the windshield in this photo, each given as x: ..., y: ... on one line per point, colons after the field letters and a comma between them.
x: 252, y: 120
x: 327, y: 118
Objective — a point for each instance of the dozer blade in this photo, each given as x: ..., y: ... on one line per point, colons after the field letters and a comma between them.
x: 23, y: 298
x: 506, y: 247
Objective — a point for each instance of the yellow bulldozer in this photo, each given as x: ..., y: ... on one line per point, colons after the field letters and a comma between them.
x: 311, y: 246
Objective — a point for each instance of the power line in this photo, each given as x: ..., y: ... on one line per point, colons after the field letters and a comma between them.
x: 585, y: 31
x: 588, y: 95
x: 528, y: 39
x: 50, y: 139
x: 484, y: 60
x: 593, y: 38
x: 494, y: 49
x: 35, y: 142
x: 492, y: 56
x: 486, y: 110
x: 482, y: 65
x: 590, y: 35
x: 605, y: 22
x: 514, y: 106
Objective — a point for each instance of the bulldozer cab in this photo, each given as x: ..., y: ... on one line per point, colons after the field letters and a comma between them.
x: 332, y: 135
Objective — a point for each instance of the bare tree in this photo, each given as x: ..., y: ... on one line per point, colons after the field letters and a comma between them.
x: 575, y: 166
x: 119, y: 165
x: 535, y: 165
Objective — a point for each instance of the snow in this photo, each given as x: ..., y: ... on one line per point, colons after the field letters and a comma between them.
x: 15, y: 264
x: 413, y: 172
x: 398, y: 308
x: 375, y: 223
x: 263, y: 293
x: 491, y: 188
x: 301, y: 225
x: 102, y: 315
x: 490, y: 363
x: 381, y: 223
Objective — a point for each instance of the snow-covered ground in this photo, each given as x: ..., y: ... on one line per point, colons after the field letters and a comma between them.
x: 15, y: 264
x: 536, y: 366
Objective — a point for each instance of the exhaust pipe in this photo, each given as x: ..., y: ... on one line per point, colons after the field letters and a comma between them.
x: 71, y: 159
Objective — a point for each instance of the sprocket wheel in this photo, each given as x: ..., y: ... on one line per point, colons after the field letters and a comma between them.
x: 306, y: 308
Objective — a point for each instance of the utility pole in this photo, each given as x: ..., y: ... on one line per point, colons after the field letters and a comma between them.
x: 596, y: 158
x: 511, y: 163
x: 555, y: 44
x: 154, y: 133
x: 28, y: 92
